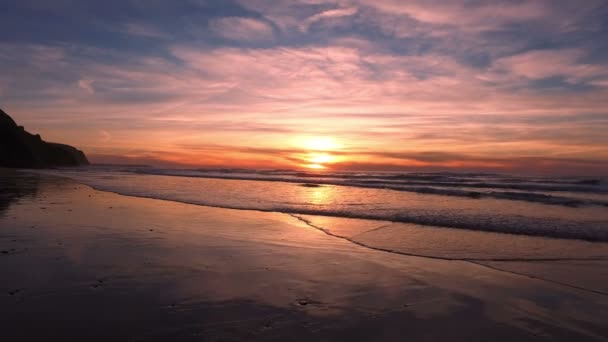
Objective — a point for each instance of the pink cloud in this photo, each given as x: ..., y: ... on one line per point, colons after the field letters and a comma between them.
x: 458, y: 13
x: 351, y: 87
x: 329, y: 14
x: 435, y: 18
x: 392, y: 15
x: 86, y: 85
x: 600, y: 82
x: 275, y: 93
x: 541, y: 64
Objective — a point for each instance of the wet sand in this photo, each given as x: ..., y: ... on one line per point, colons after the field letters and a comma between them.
x: 80, y: 264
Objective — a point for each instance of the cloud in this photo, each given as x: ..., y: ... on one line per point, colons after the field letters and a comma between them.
x: 600, y: 82
x: 459, y: 13
x: 87, y: 85
x: 539, y: 64
x: 348, y: 79
x: 329, y: 14
x: 416, y: 82
x: 242, y: 29
x: 220, y: 155
x: 105, y: 136
x: 379, y: 99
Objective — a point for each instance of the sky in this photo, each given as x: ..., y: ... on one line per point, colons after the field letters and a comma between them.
x: 514, y: 86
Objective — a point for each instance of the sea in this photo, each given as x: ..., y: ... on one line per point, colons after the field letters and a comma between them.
x: 555, y: 207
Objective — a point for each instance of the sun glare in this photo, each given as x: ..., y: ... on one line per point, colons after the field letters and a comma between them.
x: 320, y: 158
x: 318, y: 154
x: 320, y: 144
x: 316, y: 166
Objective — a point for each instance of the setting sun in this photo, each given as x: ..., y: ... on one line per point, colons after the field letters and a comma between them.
x: 317, y: 151
x: 320, y: 144
x: 320, y: 158
x: 316, y: 166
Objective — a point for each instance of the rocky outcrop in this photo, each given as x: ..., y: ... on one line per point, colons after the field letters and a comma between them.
x: 20, y: 149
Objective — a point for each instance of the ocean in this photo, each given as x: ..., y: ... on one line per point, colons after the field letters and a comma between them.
x: 565, y: 208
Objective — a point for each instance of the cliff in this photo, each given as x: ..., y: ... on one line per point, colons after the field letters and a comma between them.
x: 20, y: 149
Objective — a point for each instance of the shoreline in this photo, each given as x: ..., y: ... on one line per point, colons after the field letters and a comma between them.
x: 557, y: 200
x: 589, y: 236
x: 495, y: 263
x: 584, y: 244
x: 208, y: 273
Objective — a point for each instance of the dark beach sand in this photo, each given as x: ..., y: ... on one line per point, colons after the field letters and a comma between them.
x: 79, y: 264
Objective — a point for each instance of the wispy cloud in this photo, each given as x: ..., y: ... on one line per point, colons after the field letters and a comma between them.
x: 540, y: 64
x: 86, y: 85
x: 329, y: 14
x: 476, y: 16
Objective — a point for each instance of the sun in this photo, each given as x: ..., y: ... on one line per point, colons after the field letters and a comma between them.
x: 320, y: 158
x: 318, y: 155
x: 320, y: 144
x: 315, y: 166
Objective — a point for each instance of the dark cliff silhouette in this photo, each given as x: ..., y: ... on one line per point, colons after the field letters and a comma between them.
x: 20, y: 149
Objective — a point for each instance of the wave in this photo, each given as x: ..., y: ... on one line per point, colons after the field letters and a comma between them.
x: 578, y: 186
x: 589, y: 223
x: 441, y: 186
x: 497, y: 224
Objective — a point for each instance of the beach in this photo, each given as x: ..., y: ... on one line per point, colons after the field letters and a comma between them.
x: 83, y: 264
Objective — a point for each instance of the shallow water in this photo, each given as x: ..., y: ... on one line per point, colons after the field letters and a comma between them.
x: 570, y: 208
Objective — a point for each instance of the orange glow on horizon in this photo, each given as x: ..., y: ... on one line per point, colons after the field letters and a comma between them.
x: 316, y: 166
x: 317, y: 144
x: 321, y: 158
x: 318, y: 156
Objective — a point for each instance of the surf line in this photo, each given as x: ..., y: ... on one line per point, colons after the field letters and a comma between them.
x: 477, y: 262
